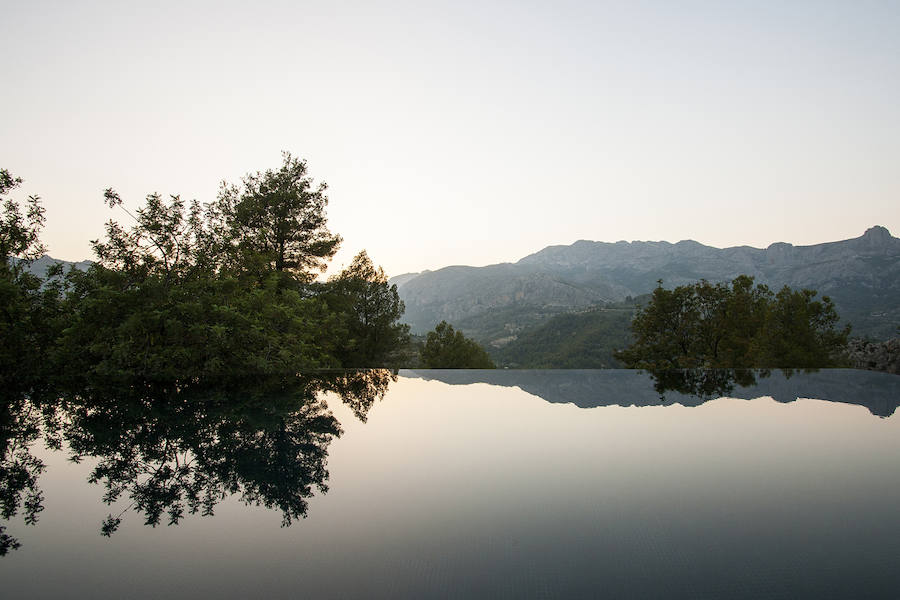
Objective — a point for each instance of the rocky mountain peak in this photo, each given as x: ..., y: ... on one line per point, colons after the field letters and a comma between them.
x: 877, y: 233
x: 877, y: 239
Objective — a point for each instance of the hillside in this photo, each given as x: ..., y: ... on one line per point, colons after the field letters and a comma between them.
x: 862, y: 276
x: 576, y: 340
x: 39, y: 267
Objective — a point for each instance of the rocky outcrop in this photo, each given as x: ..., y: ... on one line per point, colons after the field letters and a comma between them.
x: 456, y: 293
x: 875, y: 356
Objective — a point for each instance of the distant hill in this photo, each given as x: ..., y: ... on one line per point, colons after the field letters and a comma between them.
x: 40, y: 266
x: 862, y: 276
x: 584, y: 339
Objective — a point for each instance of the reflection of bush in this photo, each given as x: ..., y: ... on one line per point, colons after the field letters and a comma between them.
x: 704, y: 383
x: 707, y: 384
x: 19, y: 469
x: 174, y: 449
x: 180, y: 450
x: 360, y: 389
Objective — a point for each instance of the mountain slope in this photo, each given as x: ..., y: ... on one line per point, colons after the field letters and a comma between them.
x: 862, y: 275
x: 39, y: 267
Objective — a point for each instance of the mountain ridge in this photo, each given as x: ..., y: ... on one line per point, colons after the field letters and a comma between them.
x: 862, y: 275
x: 39, y: 266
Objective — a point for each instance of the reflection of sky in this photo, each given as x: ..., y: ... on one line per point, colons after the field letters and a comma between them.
x: 487, y: 489
x: 563, y: 121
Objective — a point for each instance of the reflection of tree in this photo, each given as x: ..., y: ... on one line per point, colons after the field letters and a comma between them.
x: 707, y: 384
x: 175, y: 451
x: 360, y: 389
x: 704, y: 383
x: 20, y: 426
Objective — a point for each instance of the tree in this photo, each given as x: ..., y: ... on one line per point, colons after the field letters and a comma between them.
x: 168, y: 240
x: 276, y: 221
x: 161, y: 304
x: 29, y: 309
x: 19, y: 232
x: 663, y: 331
x: 741, y: 326
x: 446, y: 348
x: 371, y: 310
x: 799, y: 331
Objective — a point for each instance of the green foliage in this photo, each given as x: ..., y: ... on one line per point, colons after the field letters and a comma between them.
x: 29, y: 324
x: 29, y: 308
x: 167, y: 240
x: 19, y: 229
x: 370, y: 310
x: 799, y: 331
x: 504, y: 321
x: 739, y: 326
x: 276, y: 221
x: 223, y: 290
x: 199, y: 328
x: 446, y: 348
x: 583, y: 340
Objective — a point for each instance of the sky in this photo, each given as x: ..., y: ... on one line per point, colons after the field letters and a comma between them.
x: 467, y: 132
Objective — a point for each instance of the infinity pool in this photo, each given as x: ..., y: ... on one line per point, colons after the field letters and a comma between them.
x: 463, y: 484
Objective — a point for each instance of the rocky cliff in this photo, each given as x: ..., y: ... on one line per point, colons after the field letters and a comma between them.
x: 862, y: 275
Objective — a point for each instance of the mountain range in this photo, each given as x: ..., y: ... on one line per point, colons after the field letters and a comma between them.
x: 861, y: 275
x: 39, y: 267
x: 878, y: 392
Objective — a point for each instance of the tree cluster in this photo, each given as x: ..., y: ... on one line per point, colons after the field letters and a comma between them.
x: 740, y: 325
x: 30, y: 310
x: 446, y: 348
x: 186, y: 291
x: 583, y: 340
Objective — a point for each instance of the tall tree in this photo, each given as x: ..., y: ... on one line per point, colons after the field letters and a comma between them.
x: 371, y: 309
x: 276, y: 222
x: 29, y: 309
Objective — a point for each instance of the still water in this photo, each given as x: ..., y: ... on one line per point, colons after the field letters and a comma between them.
x: 463, y: 484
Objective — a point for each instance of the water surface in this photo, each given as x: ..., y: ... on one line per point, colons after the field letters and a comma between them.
x: 475, y: 484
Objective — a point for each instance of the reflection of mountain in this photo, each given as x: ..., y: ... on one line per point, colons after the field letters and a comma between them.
x: 879, y: 392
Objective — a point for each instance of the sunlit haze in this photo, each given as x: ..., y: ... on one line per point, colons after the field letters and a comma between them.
x: 464, y: 132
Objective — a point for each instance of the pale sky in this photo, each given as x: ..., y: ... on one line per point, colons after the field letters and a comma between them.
x: 467, y: 132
